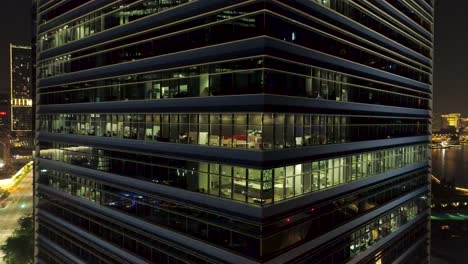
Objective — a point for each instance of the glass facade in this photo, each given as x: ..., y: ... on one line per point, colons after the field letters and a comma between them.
x: 148, y: 248
x: 251, y: 239
x: 71, y: 244
x: 197, y: 131
x: 249, y: 76
x: 388, y: 26
x: 113, y: 15
x: 372, y: 232
x: 235, y: 130
x: 21, y: 118
x: 230, y: 25
x: 392, y: 251
x: 240, y: 183
x: 51, y: 9
x: 421, y: 16
x: 365, y: 237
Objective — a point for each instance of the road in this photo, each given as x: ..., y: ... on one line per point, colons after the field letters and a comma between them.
x: 18, y: 203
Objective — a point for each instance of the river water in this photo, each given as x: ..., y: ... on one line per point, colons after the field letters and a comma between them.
x: 451, y: 164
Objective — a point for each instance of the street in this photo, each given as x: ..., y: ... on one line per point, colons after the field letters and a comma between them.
x: 18, y: 203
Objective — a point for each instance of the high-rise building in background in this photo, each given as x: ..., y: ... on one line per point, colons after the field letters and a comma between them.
x: 233, y: 131
x: 21, y: 105
x: 437, y: 122
x: 451, y: 120
x: 5, y: 116
x: 21, y: 90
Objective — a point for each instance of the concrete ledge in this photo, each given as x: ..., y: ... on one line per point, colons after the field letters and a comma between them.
x: 237, y: 103
x: 241, y: 157
x: 54, y: 247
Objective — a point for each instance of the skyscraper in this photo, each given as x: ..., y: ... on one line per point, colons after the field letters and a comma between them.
x: 20, y: 88
x: 5, y: 116
x: 233, y: 131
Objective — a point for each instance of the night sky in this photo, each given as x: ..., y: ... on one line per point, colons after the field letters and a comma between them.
x: 451, y: 50
x: 15, y: 20
x: 451, y: 57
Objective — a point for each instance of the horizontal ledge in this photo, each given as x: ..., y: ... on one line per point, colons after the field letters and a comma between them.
x: 90, y: 238
x: 241, y: 157
x: 235, y: 103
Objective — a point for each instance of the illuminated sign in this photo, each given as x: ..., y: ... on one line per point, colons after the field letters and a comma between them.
x: 21, y: 102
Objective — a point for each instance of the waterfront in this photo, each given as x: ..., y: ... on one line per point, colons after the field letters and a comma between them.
x: 449, y: 225
x: 451, y: 165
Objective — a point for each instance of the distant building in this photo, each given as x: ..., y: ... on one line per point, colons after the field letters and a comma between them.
x: 4, y: 115
x: 436, y: 122
x: 20, y: 83
x: 463, y: 123
x: 452, y: 119
x: 21, y: 110
x: 3, y: 120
